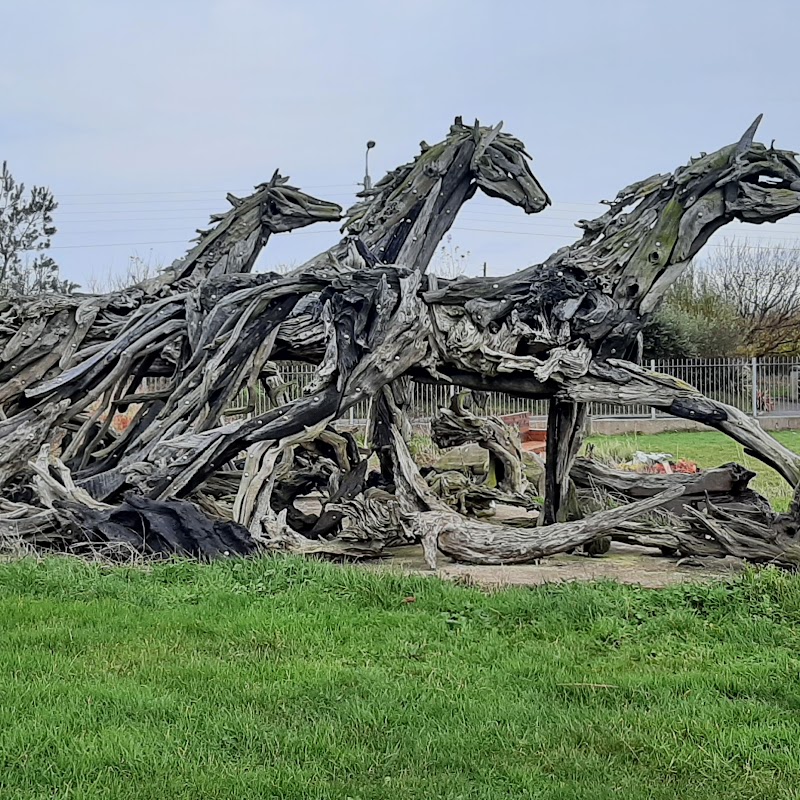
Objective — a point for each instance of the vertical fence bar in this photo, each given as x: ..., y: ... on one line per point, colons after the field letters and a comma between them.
x: 754, y: 382
x: 652, y: 369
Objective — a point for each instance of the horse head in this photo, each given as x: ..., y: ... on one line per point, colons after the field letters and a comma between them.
x: 406, y: 214
x: 653, y: 228
x: 284, y: 207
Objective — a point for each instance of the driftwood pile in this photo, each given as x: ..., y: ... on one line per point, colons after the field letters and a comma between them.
x: 185, y: 477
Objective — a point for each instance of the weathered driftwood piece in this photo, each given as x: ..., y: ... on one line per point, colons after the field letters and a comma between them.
x: 367, y: 314
x: 725, y: 490
x: 565, y: 430
x: 624, y: 383
x: 512, y: 477
x: 718, y: 514
x: 712, y: 532
x: 156, y: 528
x: 370, y: 521
x: 487, y: 543
x: 723, y: 486
x: 457, y: 425
x: 464, y: 539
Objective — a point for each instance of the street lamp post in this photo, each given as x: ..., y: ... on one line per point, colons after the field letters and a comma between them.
x: 367, y: 179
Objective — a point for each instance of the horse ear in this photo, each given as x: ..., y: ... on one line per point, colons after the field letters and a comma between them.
x: 483, y: 143
x: 458, y: 121
x: 746, y: 142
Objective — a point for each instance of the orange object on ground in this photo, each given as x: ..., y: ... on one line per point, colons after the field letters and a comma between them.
x: 534, y: 441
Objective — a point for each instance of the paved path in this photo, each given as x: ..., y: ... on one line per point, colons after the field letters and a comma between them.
x: 623, y: 563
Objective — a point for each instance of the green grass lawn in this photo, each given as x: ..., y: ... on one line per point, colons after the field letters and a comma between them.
x: 708, y: 449
x: 282, y: 678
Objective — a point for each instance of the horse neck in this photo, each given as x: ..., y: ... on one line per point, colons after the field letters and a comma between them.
x: 406, y: 219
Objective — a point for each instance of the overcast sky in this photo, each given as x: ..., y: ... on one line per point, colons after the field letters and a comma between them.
x: 141, y: 115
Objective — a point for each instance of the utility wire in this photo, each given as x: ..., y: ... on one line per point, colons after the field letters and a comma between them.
x: 522, y: 222
x: 311, y: 233
x: 468, y: 213
x: 221, y: 192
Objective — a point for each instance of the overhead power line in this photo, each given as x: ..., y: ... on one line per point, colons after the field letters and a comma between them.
x: 141, y: 244
x: 307, y: 233
x: 220, y: 192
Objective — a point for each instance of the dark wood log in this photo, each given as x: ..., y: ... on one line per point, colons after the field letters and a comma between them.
x: 157, y: 528
x: 713, y: 533
x: 352, y: 485
x: 565, y: 424
x: 727, y: 485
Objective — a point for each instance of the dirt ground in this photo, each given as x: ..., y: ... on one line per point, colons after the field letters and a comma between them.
x: 623, y: 563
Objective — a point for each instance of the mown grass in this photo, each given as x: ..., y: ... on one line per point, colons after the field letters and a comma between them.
x: 708, y: 449
x: 282, y: 678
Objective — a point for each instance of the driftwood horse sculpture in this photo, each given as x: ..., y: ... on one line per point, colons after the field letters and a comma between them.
x: 370, y: 317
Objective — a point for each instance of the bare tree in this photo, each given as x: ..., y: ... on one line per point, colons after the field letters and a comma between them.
x: 761, y: 285
x: 138, y: 270
x: 450, y: 261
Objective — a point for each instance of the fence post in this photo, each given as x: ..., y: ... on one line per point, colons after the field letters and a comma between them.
x: 754, y: 381
x: 652, y: 369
